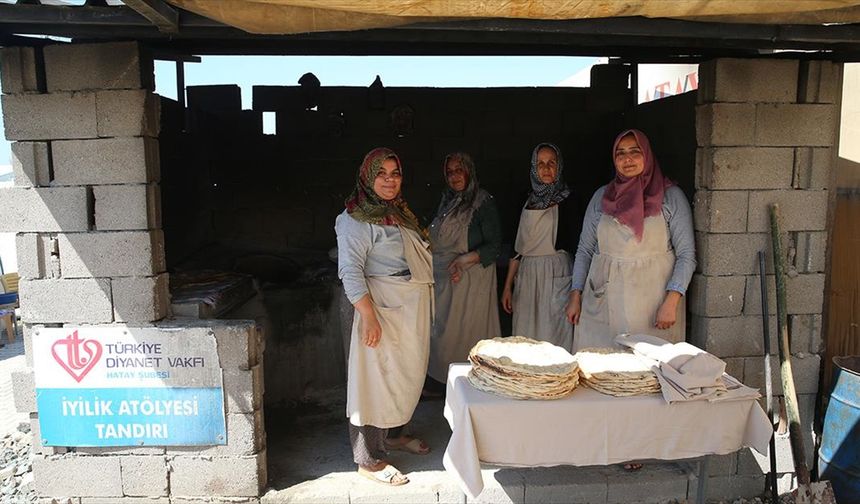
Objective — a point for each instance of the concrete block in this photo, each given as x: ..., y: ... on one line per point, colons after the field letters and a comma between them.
x: 805, y: 333
x: 243, y: 389
x: 106, y: 161
x: 125, y: 500
x: 812, y: 167
x: 19, y: 70
x: 804, y: 368
x: 723, y: 465
x: 810, y: 251
x: 799, y: 210
x: 31, y: 163
x: 819, y: 82
x: 804, y: 294
x: 58, y: 500
x: 732, y: 336
x: 720, y: 211
x: 565, y: 484
x: 312, y: 492
x: 141, y: 299
x: 793, y: 125
x: 717, y: 296
x: 75, y: 67
x: 127, y: 113
x: 27, y: 330
x: 24, y: 391
x: 729, y: 254
x: 246, y: 435
x: 144, y: 476
x: 501, y: 486
x: 748, y: 80
x: 49, y: 116
x: 127, y: 207
x: 228, y: 477
x: 725, y: 124
x: 121, y: 451
x: 652, y: 483
x: 111, y: 254
x: 66, y: 301
x: 44, y: 209
x: 730, y: 487
x: 216, y: 500
x: 30, y: 255
x: 238, y: 345
x: 746, y: 167
x: 735, y: 367
x: 73, y: 475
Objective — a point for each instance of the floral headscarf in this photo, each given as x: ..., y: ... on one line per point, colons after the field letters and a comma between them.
x: 545, y: 195
x: 452, y: 201
x: 366, y: 206
x: 631, y: 199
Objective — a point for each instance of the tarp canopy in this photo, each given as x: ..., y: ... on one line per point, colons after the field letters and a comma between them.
x: 303, y: 16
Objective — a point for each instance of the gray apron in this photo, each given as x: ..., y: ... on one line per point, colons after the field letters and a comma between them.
x: 467, y: 311
x: 626, y: 285
x: 542, y: 284
x: 384, y: 383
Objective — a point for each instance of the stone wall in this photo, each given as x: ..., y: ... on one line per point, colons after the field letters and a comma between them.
x: 86, y: 208
x: 766, y: 131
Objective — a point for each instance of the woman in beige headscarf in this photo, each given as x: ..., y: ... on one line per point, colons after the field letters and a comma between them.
x: 385, y: 264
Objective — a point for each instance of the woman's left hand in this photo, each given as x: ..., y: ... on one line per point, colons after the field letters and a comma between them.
x: 461, y: 263
x: 668, y: 309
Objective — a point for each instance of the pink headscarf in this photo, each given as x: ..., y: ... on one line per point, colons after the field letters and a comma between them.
x: 631, y: 199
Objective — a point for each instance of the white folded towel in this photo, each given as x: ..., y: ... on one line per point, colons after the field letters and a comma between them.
x: 686, y: 372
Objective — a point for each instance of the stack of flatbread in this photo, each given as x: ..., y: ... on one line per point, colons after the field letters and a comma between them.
x: 617, y: 372
x: 522, y: 368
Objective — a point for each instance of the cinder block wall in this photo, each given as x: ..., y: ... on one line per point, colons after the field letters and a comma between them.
x: 766, y: 131
x: 87, y: 212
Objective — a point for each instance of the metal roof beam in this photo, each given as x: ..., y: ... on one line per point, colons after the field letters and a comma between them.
x: 165, y: 17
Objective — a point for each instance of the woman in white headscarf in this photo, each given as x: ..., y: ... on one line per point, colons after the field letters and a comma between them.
x: 539, y: 275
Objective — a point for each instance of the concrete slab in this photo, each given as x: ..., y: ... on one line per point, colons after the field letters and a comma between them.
x: 310, y: 461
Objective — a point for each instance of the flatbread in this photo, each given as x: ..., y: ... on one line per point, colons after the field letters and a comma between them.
x: 523, y: 368
x: 617, y: 372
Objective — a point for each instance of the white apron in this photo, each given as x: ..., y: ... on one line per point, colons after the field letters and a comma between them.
x: 626, y: 285
x: 542, y: 285
x: 467, y: 311
x: 384, y: 383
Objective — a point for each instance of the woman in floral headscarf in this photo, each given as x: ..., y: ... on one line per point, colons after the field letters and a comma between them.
x: 538, y: 280
x: 385, y: 264
x: 466, y: 238
x: 636, y: 253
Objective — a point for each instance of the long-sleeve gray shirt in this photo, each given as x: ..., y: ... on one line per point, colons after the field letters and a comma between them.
x: 366, y: 250
x: 676, y: 211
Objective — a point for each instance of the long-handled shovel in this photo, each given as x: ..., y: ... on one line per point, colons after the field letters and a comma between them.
x: 807, y: 492
x: 768, y: 387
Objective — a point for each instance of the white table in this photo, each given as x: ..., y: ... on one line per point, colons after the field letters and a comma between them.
x: 588, y: 428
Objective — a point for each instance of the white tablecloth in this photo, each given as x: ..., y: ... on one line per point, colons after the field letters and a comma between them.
x: 588, y: 428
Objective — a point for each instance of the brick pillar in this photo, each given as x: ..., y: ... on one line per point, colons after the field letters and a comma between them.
x: 766, y: 131
x: 86, y: 208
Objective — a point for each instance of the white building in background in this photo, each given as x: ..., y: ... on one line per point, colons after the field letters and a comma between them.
x: 660, y: 81
x: 655, y: 81
x: 7, y: 240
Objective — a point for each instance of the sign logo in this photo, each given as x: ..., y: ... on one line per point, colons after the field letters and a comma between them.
x: 80, y: 355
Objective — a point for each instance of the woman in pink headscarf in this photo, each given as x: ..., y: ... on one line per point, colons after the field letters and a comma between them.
x: 636, y: 253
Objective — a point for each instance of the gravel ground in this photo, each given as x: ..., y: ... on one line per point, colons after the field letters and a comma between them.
x: 16, y: 467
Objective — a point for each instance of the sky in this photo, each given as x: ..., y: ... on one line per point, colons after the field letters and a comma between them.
x: 395, y: 71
